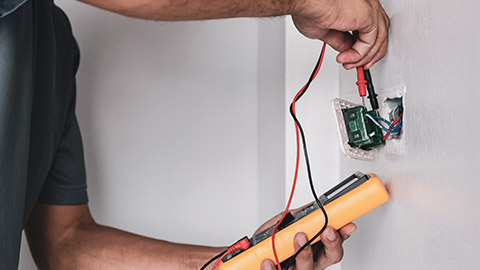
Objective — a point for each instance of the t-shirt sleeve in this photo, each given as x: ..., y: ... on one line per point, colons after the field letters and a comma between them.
x: 66, y: 183
x: 9, y: 6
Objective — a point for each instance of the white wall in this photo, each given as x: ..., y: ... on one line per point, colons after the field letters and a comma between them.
x: 314, y: 113
x: 185, y: 125
x: 432, y: 217
x: 173, y: 115
x: 169, y: 114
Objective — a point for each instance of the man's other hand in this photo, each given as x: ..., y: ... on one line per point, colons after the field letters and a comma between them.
x: 320, y: 255
x: 330, y: 21
x: 317, y: 257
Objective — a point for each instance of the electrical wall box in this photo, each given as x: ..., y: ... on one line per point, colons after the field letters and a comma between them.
x: 359, y: 136
x: 395, y: 110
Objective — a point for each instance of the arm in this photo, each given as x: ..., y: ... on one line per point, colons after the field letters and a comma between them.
x: 67, y: 237
x: 327, y: 20
x: 181, y: 10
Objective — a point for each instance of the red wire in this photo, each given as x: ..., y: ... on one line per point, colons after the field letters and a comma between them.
x: 219, y: 260
x: 277, y: 261
x: 393, y: 124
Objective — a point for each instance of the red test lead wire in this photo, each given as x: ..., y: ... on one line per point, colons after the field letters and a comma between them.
x: 243, y: 244
x: 219, y: 260
x: 320, y: 60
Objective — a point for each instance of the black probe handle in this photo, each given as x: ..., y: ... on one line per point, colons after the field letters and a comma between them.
x: 372, y: 96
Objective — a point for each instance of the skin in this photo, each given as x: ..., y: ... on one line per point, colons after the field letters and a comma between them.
x: 67, y: 237
x: 327, y: 20
x: 314, y: 257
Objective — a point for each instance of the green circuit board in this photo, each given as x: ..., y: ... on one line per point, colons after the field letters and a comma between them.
x: 361, y: 131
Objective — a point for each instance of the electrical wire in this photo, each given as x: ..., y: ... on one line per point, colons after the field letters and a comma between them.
x: 310, y: 178
x: 390, y: 125
x: 219, y: 260
x: 394, y: 129
x: 213, y: 259
x: 400, y: 118
x: 299, y: 131
x: 241, y: 244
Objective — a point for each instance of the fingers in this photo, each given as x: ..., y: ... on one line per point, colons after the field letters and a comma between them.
x: 339, y: 41
x: 378, y: 50
x: 267, y: 265
x: 360, y: 49
x: 332, y: 250
x: 332, y: 245
x: 383, y: 48
x: 304, y: 260
x: 371, y: 45
x: 347, y: 230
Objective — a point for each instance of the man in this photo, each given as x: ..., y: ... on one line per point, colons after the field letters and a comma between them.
x: 42, y: 174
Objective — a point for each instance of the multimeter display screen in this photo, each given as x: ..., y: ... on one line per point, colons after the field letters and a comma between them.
x: 340, y: 190
x: 345, y: 186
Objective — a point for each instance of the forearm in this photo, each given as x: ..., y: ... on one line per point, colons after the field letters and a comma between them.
x: 99, y: 247
x: 178, y: 10
x: 67, y: 237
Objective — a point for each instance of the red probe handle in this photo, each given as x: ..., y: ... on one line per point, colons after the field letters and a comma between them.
x: 361, y: 82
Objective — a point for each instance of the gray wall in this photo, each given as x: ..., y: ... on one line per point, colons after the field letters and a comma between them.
x: 169, y: 115
x: 432, y: 217
x: 187, y: 116
x: 185, y: 125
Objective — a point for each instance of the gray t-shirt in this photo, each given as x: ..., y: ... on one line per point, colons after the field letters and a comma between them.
x: 41, y: 155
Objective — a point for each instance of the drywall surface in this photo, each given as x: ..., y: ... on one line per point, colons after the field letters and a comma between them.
x: 169, y: 115
x: 314, y: 113
x: 271, y: 121
x: 432, y: 219
x: 187, y: 123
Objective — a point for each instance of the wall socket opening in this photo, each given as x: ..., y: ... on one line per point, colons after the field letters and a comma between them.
x: 395, y: 108
x: 391, y: 100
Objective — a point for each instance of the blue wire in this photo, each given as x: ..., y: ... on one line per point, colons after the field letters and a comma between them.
x: 395, y: 129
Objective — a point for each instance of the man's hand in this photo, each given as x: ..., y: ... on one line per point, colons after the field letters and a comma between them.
x: 320, y: 255
x: 330, y: 20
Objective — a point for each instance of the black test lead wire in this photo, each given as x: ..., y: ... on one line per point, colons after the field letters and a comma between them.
x: 372, y: 96
x: 307, y: 161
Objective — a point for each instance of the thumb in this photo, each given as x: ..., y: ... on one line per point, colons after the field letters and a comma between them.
x: 268, y: 265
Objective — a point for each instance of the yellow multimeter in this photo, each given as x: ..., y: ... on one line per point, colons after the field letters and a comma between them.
x: 347, y: 201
